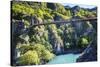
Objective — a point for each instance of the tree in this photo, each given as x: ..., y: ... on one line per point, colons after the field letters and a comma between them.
x: 20, y: 10
x: 30, y: 57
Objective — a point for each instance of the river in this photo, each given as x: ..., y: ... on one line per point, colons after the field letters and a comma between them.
x: 66, y: 58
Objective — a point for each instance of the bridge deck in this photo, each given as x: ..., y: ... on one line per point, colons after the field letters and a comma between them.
x: 66, y: 21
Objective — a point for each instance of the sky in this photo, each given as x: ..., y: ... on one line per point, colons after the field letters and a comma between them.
x: 84, y: 6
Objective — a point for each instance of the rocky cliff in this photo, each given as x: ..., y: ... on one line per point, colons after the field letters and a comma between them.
x: 90, y: 53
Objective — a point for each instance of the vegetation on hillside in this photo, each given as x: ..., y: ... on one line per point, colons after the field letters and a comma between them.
x: 39, y: 44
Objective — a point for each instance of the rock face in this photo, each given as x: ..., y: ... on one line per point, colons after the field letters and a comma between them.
x: 75, y: 9
x: 90, y: 53
x: 58, y: 47
x: 51, y: 6
x: 57, y: 18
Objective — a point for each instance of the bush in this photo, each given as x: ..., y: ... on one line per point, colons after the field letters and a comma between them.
x: 47, y: 16
x: 60, y: 32
x: 63, y: 17
x: 83, y: 42
x: 26, y: 23
x: 39, y: 13
x: 43, y: 52
x: 22, y: 9
x: 47, y: 55
x: 48, y: 46
x: 67, y: 45
x: 30, y: 57
x: 24, y: 48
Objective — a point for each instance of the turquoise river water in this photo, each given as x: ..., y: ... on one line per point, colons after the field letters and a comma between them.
x: 66, y: 58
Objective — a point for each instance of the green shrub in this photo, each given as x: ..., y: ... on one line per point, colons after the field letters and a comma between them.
x: 43, y: 52
x: 48, y: 46
x: 39, y: 13
x: 47, y: 16
x: 45, y: 35
x: 24, y: 48
x: 60, y: 32
x: 47, y: 55
x: 30, y: 57
x: 26, y: 23
x: 22, y: 9
x: 83, y: 42
x: 67, y: 45
x: 63, y: 17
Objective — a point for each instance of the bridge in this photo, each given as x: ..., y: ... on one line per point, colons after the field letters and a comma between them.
x: 60, y: 22
x: 67, y: 21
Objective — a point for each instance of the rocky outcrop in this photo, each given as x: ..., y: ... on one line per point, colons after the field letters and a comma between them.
x: 51, y: 6
x: 57, y: 18
x: 56, y: 41
x: 75, y: 9
x: 90, y: 53
x: 58, y: 47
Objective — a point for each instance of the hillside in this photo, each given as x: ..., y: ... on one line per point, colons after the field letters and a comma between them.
x: 35, y: 45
